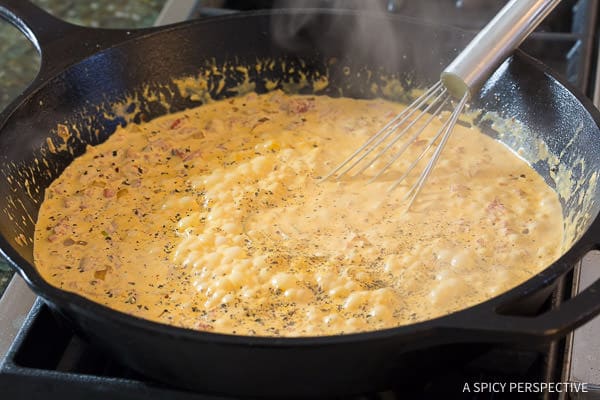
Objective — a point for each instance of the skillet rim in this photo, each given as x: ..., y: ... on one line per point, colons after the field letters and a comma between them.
x: 64, y: 300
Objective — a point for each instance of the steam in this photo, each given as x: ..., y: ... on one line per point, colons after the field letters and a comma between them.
x: 360, y: 36
x: 364, y: 31
x: 286, y: 28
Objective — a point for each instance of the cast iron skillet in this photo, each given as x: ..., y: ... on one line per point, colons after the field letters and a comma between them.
x: 84, y: 71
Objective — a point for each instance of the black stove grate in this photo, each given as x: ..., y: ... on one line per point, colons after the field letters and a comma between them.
x: 48, y: 361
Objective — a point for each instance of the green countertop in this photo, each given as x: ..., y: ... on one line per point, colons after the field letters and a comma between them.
x: 19, y: 60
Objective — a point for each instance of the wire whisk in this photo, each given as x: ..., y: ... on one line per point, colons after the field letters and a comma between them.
x: 458, y: 82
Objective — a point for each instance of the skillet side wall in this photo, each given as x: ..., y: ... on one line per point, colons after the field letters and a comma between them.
x: 552, y: 115
x: 322, y: 369
x: 83, y: 95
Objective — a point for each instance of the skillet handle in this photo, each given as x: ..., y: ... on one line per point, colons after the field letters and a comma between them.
x: 548, y: 326
x: 59, y: 43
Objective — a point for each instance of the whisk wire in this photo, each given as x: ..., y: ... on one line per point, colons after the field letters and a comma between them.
x: 447, y: 129
x: 395, y: 127
x: 386, y: 131
x: 409, y: 141
x: 416, y: 161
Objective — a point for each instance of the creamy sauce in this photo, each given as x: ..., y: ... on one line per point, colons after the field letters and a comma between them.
x: 215, y: 219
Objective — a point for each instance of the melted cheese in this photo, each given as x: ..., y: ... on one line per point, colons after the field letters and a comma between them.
x: 215, y: 219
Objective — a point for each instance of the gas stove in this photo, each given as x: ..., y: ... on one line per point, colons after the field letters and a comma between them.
x: 41, y: 357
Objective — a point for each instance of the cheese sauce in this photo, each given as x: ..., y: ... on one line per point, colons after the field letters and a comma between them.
x: 215, y: 219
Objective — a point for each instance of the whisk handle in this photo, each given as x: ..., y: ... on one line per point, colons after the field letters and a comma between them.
x: 494, y: 44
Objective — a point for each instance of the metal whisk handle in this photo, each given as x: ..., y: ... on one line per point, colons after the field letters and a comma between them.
x: 494, y: 44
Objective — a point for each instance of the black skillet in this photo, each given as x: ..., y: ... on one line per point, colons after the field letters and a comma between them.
x: 84, y: 71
